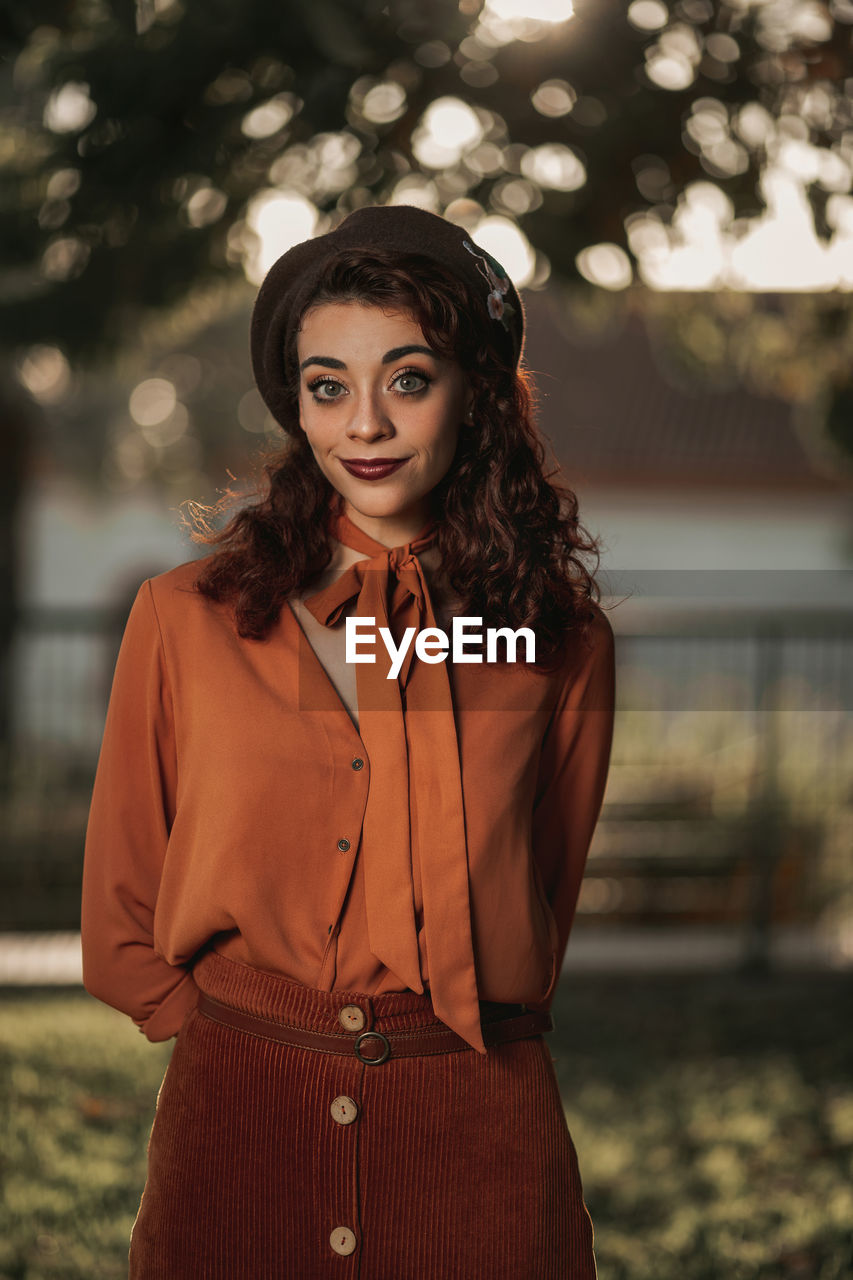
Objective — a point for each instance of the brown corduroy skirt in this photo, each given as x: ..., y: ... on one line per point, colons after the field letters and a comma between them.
x: 456, y: 1166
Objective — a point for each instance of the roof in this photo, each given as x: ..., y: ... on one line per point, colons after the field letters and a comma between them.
x: 617, y: 413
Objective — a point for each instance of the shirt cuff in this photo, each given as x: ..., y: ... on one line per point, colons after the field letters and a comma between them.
x: 168, y: 1017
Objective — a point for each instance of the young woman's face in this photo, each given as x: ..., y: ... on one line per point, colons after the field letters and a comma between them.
x: 372, y: 391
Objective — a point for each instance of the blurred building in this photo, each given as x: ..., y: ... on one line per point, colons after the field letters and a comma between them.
x: 684, y: 479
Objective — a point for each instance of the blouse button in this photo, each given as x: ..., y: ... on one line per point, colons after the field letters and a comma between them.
x: 344, y: 1110
x: 358, y: 763
x: 351, y: 1017
x: 343, y: 844
x: 342, y: 1240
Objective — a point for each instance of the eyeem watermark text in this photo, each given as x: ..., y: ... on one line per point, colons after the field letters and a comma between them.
x: 433, y: 645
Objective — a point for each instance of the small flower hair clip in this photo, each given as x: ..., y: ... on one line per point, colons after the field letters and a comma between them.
x: 498, y: 281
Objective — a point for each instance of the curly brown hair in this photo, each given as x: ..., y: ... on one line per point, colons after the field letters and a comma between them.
x: 510, y: 543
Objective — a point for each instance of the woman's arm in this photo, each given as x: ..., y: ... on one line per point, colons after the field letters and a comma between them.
x: 131, y: 813
x: 573, y: 773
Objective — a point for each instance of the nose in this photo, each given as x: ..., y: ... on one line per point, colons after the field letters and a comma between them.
x: 368, y: 420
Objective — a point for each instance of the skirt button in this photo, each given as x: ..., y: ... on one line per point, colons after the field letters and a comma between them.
x: 342, y: 1240
x: 344, y: 1110
x: 351, y: 1017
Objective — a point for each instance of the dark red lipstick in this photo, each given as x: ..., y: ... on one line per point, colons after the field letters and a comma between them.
x: 372, y: 468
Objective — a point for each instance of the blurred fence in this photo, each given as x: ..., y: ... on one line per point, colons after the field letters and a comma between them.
x: 730, y: 797
x: 60, y: 675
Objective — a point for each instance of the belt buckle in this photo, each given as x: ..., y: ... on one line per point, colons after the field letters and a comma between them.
x: 372, y: 1061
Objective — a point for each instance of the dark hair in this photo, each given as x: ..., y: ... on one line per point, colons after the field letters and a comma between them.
x: 508, y: 535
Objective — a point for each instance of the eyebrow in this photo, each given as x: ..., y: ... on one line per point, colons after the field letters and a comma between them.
x: 394, y: 354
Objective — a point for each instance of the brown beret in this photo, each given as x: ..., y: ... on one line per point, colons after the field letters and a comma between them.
x: 287, y: 287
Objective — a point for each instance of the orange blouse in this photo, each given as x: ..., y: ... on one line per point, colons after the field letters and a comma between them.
x: 440, y: 846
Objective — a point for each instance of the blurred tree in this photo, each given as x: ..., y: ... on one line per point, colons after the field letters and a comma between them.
x: 140, y: 139
x: 136, y: 134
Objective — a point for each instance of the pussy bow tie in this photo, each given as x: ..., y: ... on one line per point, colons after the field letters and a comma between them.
x: 418, y: 750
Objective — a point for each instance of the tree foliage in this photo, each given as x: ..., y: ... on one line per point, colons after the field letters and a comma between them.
x: 129, y: 156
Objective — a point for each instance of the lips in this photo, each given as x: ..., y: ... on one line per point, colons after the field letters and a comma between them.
x: 372, y: 468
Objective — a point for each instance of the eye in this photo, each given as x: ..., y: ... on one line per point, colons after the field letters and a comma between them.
x: 411, y: 381
x: 331, y: 389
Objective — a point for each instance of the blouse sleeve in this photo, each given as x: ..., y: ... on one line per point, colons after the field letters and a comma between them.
x: 573, y: 771
x: 131, y: 812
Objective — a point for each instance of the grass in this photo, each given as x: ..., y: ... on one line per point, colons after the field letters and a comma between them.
x: 78, y: 1091
x: 713, y: 1119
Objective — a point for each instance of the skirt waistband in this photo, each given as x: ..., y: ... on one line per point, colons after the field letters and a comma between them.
x: 274, y: 996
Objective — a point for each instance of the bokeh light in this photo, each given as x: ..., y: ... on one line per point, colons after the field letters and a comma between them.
x: 516, y: 196
x: 484, y: 160
x: 64, y: 258
x: 69, y: 109
x: 63, y: 183
x: 754, y: 124
x: 605, y: 265
x: 384, y: 102
x: 692, y: 254
x: 704, y: 247
x: 554, y: 98
x: 165, y: 433
x: 278, y: 221
x: 721, y: 46
x: 447, y: 129
x: 152, y: 401
x: 648, y: 15
x: 149, y: 11
x: 780, y: 22
x: 782, y: 245
x: 433, y: 53
x: 550, y: 11
x: 672, y: 61
x: 133, y: 460
x: 839, y: 213
x: 45, y: 373
x: 254, y: 416
x: 503, y: 21
x: 508, y: 243
x: 708, y: 130
x: 418, y: 190
x: 205, y: 206
x: 269, y: 117
x: 554, y: 165
x: 327, y: 165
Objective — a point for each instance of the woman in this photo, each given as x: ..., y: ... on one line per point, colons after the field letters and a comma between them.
x: 335, y: 856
